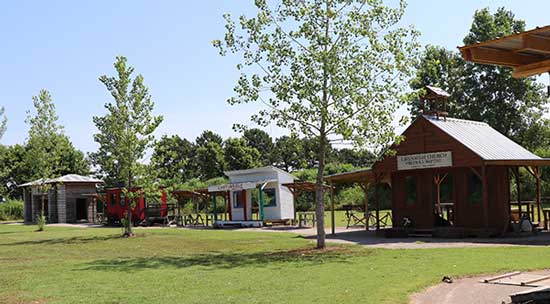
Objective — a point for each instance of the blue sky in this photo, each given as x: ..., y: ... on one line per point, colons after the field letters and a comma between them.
x: 64, y: 46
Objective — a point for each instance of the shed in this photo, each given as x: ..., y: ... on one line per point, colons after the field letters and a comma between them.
x: 256, y: 191
x: 70, y: 199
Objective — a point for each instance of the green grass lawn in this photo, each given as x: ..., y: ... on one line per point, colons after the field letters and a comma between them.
x: 94, y: 265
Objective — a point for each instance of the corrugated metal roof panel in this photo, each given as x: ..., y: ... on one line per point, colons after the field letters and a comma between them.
x: 438, y: 91
x: 69, y: 178
x: 482, y: 139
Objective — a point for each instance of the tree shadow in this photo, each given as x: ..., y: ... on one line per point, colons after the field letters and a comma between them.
x: 300, y: 257
x: 65, y: 241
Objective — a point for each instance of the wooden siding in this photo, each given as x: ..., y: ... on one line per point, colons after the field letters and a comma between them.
x: 424, y: 137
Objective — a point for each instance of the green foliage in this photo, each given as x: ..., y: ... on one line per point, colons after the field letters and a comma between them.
x: 3, y: 122
x: 210, y: 159
x: 173, y: 159
x: 41, y: 221
x: 238, y: 155
x: 261, y: 141
x: 125, y: 134
x: 11, y: 210
x: 126, y: 131
x: 288, y: 153
x: 330, y: 70
x: 486, y: 93
x: 44, y: 132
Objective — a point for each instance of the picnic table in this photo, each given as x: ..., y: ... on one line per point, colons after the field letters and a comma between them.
x: 306, y: 217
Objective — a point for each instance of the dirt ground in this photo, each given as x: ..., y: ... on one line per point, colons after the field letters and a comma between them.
x: 369, y: 239
x: 470, y: 291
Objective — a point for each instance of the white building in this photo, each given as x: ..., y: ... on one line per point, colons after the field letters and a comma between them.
x: 260, y: 188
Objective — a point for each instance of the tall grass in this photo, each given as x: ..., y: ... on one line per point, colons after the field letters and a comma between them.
x: 11, y: 210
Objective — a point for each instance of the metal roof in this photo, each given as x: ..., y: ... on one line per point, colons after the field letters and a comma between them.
x: 482, y: 139
x: 438, y: 91
x: 69, y: 178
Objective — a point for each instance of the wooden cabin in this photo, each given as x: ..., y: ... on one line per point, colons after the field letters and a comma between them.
x: 68, y: 200
x: 456, y: 173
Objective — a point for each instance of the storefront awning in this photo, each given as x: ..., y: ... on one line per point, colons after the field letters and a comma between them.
x: 238, y: 186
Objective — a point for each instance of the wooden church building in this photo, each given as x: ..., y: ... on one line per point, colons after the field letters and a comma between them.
x: 454, y: 173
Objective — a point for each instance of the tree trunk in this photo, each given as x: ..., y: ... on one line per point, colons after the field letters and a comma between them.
x: 42, y: 209
x: 320, y: 194
x: 129, y: 231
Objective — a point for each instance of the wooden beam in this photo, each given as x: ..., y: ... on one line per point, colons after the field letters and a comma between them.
x: 332, y: 224
x: 485, y: 186
x: 519, y: 162
x: 498, y: 57
x: 531, y: 69
x: 536, y: 44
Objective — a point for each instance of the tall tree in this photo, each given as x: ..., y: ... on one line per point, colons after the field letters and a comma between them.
x: 330, y: 69
x: 208, y: 136
x: 483, y: 92
x: 3, y: 122
x: 41, y: 154
x: 238, y: 155
x: 125, y: 132
x: 288, y: 153
x: 261, y: 141
x: 211, y: 159
x: 174, y: 159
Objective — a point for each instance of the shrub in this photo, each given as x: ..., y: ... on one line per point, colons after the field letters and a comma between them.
x: 11, y: 210
x: 41, y: 222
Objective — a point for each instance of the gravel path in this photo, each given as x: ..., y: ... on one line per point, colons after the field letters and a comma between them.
x: 470, y: 291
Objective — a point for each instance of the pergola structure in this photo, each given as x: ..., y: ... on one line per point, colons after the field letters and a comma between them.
x: 364, y: 179
x: 528, y: 53
x: 298, y: 187
x: 213, y: 195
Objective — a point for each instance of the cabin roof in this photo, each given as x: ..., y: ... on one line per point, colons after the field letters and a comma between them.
x: 527, y: 52
x: 260, y: 170
x: 69, y: 178
x: 482, y: 139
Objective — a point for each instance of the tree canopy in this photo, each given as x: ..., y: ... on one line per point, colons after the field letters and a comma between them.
x: 331, y: 70
x: 514, y: 107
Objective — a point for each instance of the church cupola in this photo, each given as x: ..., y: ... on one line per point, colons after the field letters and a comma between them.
x: 434, y: 102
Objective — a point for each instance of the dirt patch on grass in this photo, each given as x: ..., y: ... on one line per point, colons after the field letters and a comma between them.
x: 14, y: 298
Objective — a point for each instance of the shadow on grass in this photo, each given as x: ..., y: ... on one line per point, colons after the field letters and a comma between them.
x: 300, y: 257
x: 65, y: 241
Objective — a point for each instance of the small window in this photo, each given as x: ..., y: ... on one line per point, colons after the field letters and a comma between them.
x: 238, y: 199
x: 112, y: 199
x: 270, y: 198
x: 475, y: 189
x: 410, y: 190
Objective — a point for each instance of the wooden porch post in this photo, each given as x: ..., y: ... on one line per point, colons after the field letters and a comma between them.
x: 485, y: 195
x: 365, y: 188
x: 228, y: 195
x: 376, y: 200
x: 332, y: 223
x: 518, y: 184
x: 539, y: 202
